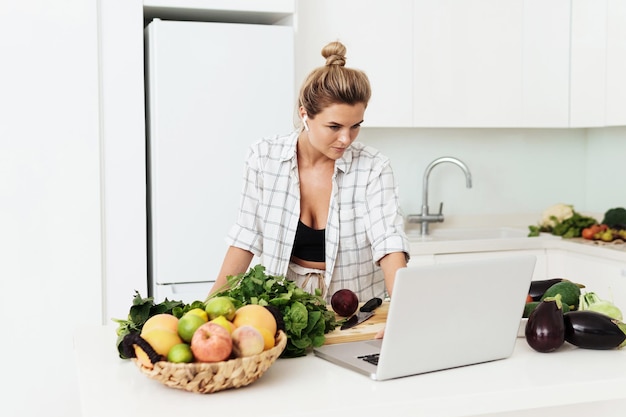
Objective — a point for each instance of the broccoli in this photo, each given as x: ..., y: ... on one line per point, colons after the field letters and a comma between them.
x: 615, y: 217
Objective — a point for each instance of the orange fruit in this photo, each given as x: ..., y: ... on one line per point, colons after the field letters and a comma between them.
x: 255, y: 316
x: 161, y: 321
x: 268, y: 339
x: 161, y: 340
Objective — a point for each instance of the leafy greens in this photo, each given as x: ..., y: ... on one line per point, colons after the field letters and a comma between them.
x: 144, y: 308
x: 306, y: 316
x: 567, y: 228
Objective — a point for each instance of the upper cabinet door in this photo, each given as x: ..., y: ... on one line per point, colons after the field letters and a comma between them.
x: 468, y: 63
x: 378, y: 39
x: 588, y: 63
x: 616, y: 63
x: 545, y: 63
x: 479, y: 63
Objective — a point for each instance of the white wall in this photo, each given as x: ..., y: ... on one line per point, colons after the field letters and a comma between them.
x: 605, y: 166
x: 50, y: 241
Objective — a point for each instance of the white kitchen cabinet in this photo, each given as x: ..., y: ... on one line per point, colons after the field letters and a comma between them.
x: 468, y: 63
x: 377, y: 36
x: 598, y: 63
x: 449, y: 63
x: 545, y: 63
x: 616, y: 63
x: 492, y: 63
x: 485, y: 63
x: 588, y: 63
x: 605, y: 277
x: 540, y: 267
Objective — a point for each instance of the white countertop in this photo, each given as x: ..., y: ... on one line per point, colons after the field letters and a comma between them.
x: 570, y: 380
x: 517, y: 241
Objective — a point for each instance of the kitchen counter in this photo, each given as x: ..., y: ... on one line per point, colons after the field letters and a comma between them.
x: 515, y: 240
x: 569, y: 381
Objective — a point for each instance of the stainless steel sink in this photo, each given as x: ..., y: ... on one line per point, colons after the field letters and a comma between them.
x: 444, y: 234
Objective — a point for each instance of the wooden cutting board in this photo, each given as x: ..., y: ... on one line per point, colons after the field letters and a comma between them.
x: 364, y: 331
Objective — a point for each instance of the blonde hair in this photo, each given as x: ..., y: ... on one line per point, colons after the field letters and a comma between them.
x: 333, y: 83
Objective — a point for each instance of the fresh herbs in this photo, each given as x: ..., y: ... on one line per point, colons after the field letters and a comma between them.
x: 569, y: 227
x: 144, y: 308
x: 306, y: 316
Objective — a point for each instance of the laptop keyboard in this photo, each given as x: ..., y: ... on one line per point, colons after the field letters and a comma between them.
x: 373, y: 358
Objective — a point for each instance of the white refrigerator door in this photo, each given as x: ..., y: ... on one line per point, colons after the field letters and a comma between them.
x: 212, y: 90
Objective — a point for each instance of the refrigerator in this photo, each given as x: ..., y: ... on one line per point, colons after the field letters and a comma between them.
x: 212, y: 89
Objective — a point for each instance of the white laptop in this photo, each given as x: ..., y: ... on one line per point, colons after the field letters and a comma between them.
x: 444, y: 316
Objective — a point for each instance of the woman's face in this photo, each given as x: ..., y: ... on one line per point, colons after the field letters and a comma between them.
x: 334, y: 128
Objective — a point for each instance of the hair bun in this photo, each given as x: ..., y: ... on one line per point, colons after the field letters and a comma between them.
x: 336, y: 60
x: 335, y: 54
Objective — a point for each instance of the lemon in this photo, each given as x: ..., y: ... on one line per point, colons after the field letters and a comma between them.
x: 220, y: 306
x: 221, y: 320
x: 180, y: 353
x: 199, y: 312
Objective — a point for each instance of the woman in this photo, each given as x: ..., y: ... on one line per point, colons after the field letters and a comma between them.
x: 318, y: 207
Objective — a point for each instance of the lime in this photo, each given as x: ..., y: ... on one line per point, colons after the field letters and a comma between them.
x: 220, y: 306
x: 187, y: 326
x: 180, y: 353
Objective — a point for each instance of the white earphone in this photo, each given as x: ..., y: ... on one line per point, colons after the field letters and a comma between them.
x: 306, y: 126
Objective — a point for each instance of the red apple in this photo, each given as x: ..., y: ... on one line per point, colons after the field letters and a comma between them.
x: 344, y: 302
x: 211, y: 343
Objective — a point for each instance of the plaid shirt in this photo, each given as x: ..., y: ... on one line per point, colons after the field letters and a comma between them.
x: 364, y: 219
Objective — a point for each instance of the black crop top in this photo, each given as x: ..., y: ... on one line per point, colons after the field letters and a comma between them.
x: 310, y: 244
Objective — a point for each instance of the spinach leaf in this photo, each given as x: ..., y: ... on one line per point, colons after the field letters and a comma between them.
x: 306, y: 316
x: 296, y: 318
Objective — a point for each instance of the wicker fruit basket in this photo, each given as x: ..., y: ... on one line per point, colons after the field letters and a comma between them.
x: 206, y: 378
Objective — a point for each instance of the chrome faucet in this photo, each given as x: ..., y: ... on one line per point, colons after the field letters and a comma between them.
x: 425, y: 217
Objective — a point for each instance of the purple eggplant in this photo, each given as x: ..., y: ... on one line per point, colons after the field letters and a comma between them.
x: 592, y: 330
x: 539, y: 287
x: 545, y: 329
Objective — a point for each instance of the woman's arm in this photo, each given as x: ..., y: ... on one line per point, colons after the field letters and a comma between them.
x: 390, y: 264
x: 237, y: 261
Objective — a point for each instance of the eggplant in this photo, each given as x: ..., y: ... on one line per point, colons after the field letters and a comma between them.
x: 538, y: 288
x: 592, y: 330
x: 545, y: 329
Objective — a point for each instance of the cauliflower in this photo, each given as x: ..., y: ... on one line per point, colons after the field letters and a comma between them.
x: 556, y: 214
